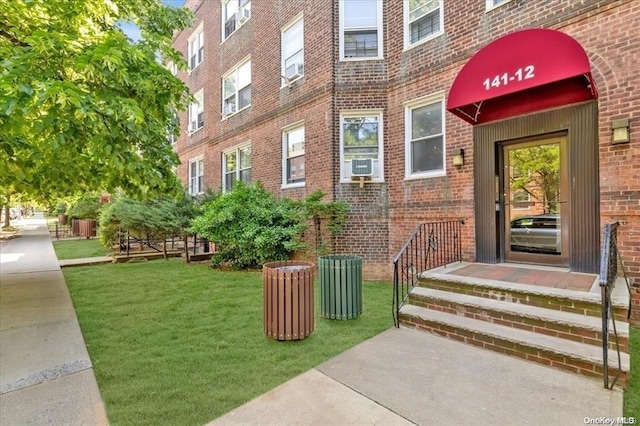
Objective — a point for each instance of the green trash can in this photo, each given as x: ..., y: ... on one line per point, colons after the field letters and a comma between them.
x: 340, y: 286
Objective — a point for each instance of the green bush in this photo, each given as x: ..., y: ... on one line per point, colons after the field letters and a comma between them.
x: 87, y: 207
x: 251, y: 227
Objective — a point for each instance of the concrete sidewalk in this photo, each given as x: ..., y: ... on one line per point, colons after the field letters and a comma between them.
x: 46, y: 376
x: 405, y: 376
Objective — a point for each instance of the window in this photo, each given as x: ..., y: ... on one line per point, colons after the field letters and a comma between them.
x: 425, y: 145
x: 236, y: 89
x: 361, y: 138
x: 196, y: 48
x: 196, y: 176
x: 173, y: 68
x: 196, y: 112
x: 234, y: 14
x: 236, y: 165
x: 423, y: 20
x: 175, y: 124
x: 293, y: 51
x: 360, y: 29
x: 293, y: 156
x: 495, y: 3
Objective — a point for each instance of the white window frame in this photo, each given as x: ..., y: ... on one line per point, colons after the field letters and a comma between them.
x: 407, y: 30
x: 491, y: 4
x: 345, y: 167
x: 240, y: 4
x: 198, y: 179
x: 410, y: 106
x: 283, y: 66
x: 379, y: 29
x: 173, y: 68
x: 235, y: 71
x: 285, y: 154
x: 195, y: 109
x: 196, y: 40
x: 236, y: 149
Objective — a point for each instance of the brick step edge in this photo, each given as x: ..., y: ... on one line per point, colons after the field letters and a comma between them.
x: 570, y: 356
x: 566, y: 300
x: 552, y: 322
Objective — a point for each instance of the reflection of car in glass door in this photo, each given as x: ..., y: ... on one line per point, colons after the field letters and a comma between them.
x: 536, y: 234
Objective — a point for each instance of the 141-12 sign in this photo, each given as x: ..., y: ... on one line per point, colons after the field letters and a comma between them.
x: 520, y: 74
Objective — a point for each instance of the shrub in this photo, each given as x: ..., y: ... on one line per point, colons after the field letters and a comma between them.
x: 87, y: 207
x: 251, y: 227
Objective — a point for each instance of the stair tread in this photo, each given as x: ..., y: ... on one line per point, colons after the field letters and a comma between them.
x: 528, y: 311
x: 581, y: 351
x: 582, y: 296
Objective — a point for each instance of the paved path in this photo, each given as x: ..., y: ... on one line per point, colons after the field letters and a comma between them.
x: 46, y: 376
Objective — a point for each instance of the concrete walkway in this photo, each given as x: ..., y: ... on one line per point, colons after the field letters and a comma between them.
x: 46, y: 376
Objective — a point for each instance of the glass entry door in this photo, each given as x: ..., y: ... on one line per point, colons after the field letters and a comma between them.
x: 536, y: 202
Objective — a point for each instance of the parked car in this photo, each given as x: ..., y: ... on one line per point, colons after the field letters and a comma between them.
x: 536, y: 234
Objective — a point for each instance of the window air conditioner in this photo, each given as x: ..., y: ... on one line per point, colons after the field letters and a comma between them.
x: 293, y: 71
x: 229, y: 109
x: 361, y: 167
x: 242, y: 15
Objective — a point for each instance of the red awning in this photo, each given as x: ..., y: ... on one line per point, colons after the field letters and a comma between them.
x: 522, y: 72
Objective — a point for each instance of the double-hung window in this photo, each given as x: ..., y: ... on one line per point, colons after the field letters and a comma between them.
x: 196, y: 48
x: 173, y: 68
x: 361, y: 29
x: 236, y: 89
x: 236, y: 165
x: 423, y: 20
x: 196, y: 176
x: 234, y: 14
x: 293, y: 51
x: 424, y: 136
x: 196, y: 112
x: 293, y: 169
x: 361, y: 144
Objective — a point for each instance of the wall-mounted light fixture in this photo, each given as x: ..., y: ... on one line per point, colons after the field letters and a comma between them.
x: 457, y: 157
x: 620, y: 131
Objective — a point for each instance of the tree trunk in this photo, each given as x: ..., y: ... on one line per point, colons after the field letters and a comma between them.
x: 164, y: 249
x: 7, y: 212
x: 186, y: 249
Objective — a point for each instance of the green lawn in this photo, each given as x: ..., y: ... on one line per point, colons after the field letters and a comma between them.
x: 74, y: 249
x: 632, y: 396
x: 182, y: 344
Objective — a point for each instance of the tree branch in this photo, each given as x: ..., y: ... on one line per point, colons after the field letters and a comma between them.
x: 13, y: 39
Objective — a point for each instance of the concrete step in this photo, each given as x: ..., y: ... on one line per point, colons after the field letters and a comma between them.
x: 578, y: 302
x: 559, y: 353
x: 552, y: 322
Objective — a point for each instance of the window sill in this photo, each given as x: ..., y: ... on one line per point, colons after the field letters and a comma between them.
x: 226, y: 117
x: 293, y: 185
x: 497, y: 6
x: 421, y: 42
x: 191, y: 133
x: 289, y: 83
x: 427, y: 175
x: 191, y: 70
x: 370, y: 58
x: 357, y: 181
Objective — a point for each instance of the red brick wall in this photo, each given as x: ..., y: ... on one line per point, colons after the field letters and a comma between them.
x: 384, y: 214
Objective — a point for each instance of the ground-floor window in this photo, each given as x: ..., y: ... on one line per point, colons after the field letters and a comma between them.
x: 293, y: 167
x: 236, y: 165
x: 361, y: 151
x: 196, y: 176
x: 424, y: 137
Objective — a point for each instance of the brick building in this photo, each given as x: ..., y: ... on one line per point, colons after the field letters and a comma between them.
x: 291, y: 91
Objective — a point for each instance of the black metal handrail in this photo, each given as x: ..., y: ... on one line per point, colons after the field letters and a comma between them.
x: 432, y: 244
x: 608, y: 274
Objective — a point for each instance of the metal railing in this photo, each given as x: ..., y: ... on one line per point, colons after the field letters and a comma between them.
x: 432, y: 244
x: 608, y: 274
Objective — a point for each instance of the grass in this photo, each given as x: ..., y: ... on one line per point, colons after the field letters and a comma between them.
x: 75, y: 249
x: 632, y: 395
x: 182, y: 344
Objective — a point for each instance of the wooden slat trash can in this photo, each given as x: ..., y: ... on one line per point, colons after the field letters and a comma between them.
x: 288, y: 299
x: 340, y: 286
x: 86, y: 227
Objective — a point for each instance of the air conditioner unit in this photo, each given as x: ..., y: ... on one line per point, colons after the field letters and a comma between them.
x: 361, y: 167
x: 229, y: 109
x: 293, y: 71
x: 193, y: 126
x: 242, y: 15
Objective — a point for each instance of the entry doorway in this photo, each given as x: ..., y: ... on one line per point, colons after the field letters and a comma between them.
x: 535, y: 202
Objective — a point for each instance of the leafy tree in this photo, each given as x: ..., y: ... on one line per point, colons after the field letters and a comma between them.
x: 86, y: 207
x: 536, y: 170
x: 332, y: 216
x: 82, y: 106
